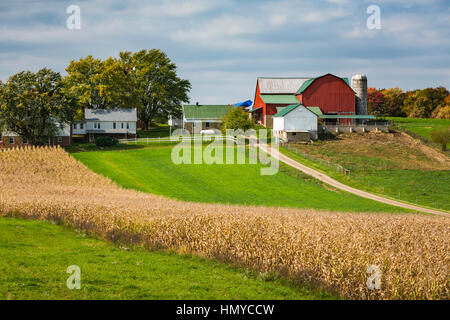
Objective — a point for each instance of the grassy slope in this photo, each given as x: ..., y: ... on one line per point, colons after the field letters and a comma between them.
x: 422, y: 127
x: 36, y: 254
x: 151, y: 170
x: 424, y: 187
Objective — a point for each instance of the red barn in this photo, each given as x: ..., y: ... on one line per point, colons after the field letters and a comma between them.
x: 333, y: 95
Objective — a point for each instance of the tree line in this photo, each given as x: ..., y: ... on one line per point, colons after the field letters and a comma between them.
x: 36, y: 105
x: 420, y: 103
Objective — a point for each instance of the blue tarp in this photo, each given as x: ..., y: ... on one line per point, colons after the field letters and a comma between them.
x: 247, y: 103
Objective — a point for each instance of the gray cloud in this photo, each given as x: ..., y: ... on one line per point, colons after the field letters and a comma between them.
x: 222, y: 46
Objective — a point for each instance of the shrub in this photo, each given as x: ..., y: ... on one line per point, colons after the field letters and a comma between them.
x: 106, y: 142
x: 236, y: 119
x: 442, y: 137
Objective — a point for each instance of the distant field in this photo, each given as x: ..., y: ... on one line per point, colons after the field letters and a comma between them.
x: 150, y: 169
x: 388, y: 164
x: 422, y: 127
x: 36, y: 254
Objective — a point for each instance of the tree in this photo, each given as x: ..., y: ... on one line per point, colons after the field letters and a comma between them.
x: 375, y: 102
x: 237, y: 118
x: 393, y: 102
x: 101, y: 84
x: 444, y: 112
x: 159, y: 90
x: 442, y: 137
x: 34, y: 105
x: 423, y: 102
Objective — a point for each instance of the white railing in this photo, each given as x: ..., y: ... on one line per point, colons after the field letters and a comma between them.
x: 179, y: 138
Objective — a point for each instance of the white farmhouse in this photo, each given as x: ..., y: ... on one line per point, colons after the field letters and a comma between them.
x: 116, y: 123
x: 295, y: 123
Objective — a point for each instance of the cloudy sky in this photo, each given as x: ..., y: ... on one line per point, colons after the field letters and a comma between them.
x: 222, y: 46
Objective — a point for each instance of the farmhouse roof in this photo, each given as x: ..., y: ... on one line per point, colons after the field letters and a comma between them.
x: 110, y: 114
x: 194, y: 112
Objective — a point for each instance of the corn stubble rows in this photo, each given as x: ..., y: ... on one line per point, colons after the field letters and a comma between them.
x: 325, y: 249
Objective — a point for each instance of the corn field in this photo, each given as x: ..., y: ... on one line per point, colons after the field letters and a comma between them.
x: 328, y: 250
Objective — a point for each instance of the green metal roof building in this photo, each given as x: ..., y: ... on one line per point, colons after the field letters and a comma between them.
x: 205, y: 112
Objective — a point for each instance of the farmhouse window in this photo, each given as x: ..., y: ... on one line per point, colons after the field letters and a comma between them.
x: 11, y: 140
x: 122, y: 125
x: 75, y: 126
x: 206, y: 124
x: 81, y: 126
x: 128, y: 125
x: 98, y: 125
x: 114, y: 125
x: 59, y: 139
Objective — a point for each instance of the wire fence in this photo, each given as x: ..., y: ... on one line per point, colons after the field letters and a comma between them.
x: 329, y: 164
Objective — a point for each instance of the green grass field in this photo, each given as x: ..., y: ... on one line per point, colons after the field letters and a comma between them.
x: 35, y: 256
x: 382, y: 166
x: 150, y: 169
x: 422, y: 127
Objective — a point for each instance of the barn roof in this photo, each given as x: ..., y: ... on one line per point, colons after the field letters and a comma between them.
x: 280, y: 85
x: 315, y: 110
x: 307, y: 83
x: 110, y: 114
x: 286, y: 110
x: 192, y: 112
x: 279, y: 98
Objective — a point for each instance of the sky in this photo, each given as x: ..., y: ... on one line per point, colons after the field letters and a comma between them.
x: 222, y: 46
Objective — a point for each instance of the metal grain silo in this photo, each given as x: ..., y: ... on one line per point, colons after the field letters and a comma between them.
x: 359, y: 85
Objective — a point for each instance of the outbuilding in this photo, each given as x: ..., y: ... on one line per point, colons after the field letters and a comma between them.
x: 295, y: 123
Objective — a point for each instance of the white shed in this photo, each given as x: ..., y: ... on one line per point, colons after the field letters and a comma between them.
x: 295, y: 123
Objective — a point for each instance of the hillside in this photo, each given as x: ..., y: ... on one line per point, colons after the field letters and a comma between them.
x: 421, y: 127
x: 329, y: 250
x: 151, y: 169
x: 393, y: 164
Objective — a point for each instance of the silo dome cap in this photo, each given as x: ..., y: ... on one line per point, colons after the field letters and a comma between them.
x: 359, y: 76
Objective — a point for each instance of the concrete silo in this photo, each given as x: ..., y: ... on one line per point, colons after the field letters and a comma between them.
x: 359, y: 85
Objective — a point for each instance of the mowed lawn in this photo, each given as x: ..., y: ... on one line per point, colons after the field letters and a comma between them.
x: 150, y: 169
x: 36, y: 254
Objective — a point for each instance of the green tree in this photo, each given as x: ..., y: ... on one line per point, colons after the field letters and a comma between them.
x: 422, y: 103
x: 101, y: 84
x: 237, y: 118
x: 34, y: 105
x: 441, y: 137
x: 159, y: 90
x: 393, y: 102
